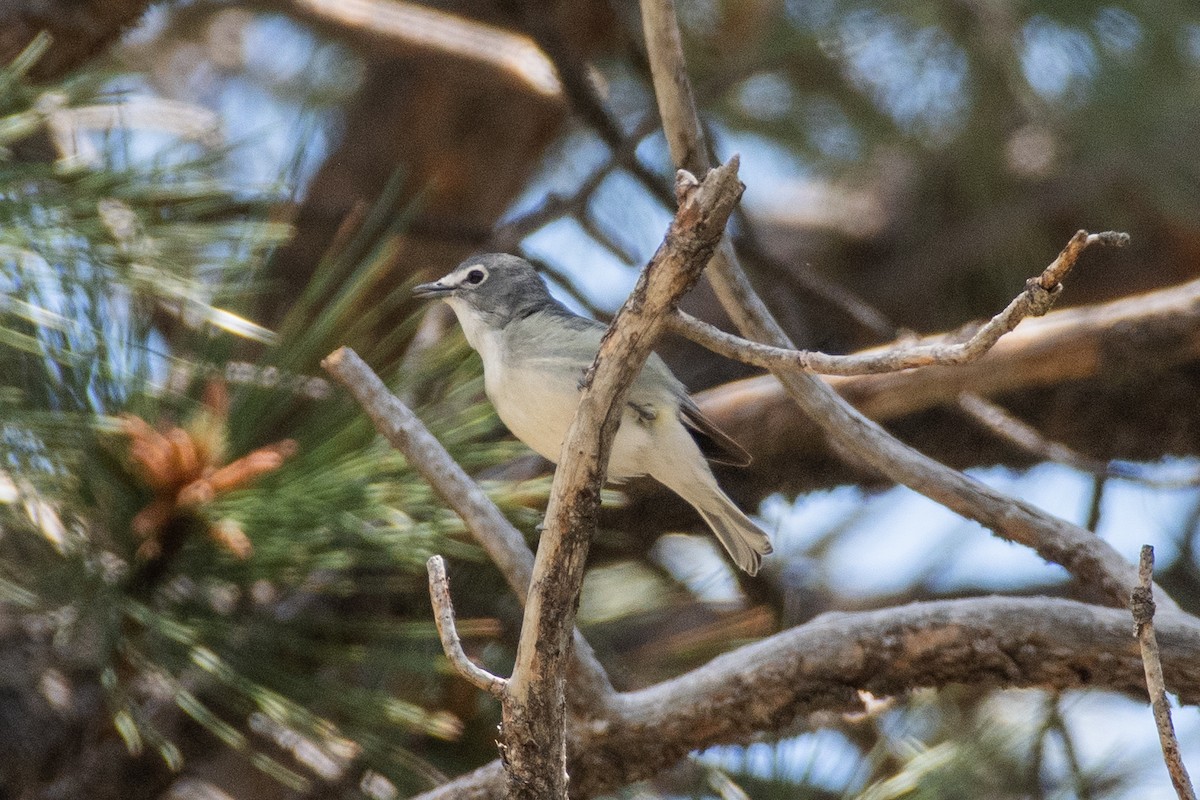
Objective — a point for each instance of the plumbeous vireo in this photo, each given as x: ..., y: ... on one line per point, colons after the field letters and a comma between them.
x: 535, y: 352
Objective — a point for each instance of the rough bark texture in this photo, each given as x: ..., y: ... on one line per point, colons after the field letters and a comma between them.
x: 821, y: 666
x: 534, y: 720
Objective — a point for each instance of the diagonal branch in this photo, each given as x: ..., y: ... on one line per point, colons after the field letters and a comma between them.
x: 857, y: 438
x: 534, y: 716
x: 1039, y: 295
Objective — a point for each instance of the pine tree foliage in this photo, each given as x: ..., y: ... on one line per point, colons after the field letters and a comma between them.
x: 191, y: 521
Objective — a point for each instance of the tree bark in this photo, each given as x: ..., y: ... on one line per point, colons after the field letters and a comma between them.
x: 767, y: 686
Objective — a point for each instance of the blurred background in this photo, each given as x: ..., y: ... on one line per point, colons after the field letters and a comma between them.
x: 212, y: 575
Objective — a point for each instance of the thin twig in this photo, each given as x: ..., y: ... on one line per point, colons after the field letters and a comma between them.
x: 1142, y: 605
x: 443, y: 615
x: 1036, y: 300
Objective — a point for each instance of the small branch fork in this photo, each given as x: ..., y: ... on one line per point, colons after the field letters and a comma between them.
x: 1142, y: 604
x: 503, y: 543
x: 1038, y: 297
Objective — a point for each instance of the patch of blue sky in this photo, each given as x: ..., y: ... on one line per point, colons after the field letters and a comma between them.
x: 696, y: 562
x: 766, y: 96
x: 628, y: 212
x: 888, y: 540
x: 278, y: 48
x: 918, y: 75
x: 264, y: 145
x: 799, y: 524
x: 1133, y: 514
x: 596, y: 273
x: 1116, y: 734
x: 1058, y: 62
x: 1189, y: 41
x: 767, y: 167
x: 824, y: 759
x: 1118, y: 30
x: 566, y: 165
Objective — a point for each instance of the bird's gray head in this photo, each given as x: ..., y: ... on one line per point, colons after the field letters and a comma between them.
x: 495, y: 287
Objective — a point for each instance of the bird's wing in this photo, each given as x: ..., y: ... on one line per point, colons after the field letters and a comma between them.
x: 714, y: 443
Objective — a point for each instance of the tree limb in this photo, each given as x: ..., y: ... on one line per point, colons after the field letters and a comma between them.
x: 534, y: 727
x: 1039, y: 295
x: 1073, y: 344
x: 766, y: 686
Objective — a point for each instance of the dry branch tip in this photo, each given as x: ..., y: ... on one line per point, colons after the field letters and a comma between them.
x: 443, y: 614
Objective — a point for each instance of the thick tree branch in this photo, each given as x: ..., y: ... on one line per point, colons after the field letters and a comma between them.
x: 443, y: 615
x: 534, y: 714
x: 853, y: 435
x: 1142, y: 604
x: 503, y: 543
x: 1039, y: 295
x: 821, y: 666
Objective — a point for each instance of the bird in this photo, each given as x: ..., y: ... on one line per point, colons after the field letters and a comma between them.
x: 535, y: 352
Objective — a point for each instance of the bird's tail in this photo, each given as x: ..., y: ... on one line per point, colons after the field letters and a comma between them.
x: 746, y: 542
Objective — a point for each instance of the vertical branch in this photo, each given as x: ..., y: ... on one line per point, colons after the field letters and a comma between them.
x: 534, y: 724
x: 1142, y: 605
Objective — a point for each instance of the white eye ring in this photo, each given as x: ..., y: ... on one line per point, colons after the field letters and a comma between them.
x: 475, y: 276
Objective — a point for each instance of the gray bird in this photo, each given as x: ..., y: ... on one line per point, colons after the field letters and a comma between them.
x: 535, y: 351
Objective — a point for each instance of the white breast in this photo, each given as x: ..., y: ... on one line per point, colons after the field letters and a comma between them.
x: 536, y: 396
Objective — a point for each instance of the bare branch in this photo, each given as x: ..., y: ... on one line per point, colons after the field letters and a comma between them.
x: 443, y: 615
x: 503, y: 543
x: 767, y: 686
x: 855, y: 436
x: 534, y: 719
x: 1036, y: 300
x: 1142, y: 605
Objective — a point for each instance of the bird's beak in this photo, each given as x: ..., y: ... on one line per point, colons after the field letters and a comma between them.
x: 431, y: 290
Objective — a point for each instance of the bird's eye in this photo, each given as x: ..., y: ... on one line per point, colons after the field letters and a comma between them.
x: 475, y: 276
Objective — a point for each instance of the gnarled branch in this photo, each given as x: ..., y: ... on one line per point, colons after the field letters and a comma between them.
x: 767, y: 686
x: 534, y: 716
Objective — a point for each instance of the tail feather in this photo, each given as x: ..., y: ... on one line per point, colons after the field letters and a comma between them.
x: 745, y: 542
